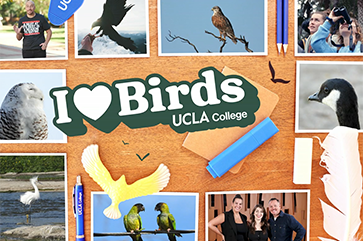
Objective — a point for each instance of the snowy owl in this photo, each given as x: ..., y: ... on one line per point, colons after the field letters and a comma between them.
x: 21, y: 115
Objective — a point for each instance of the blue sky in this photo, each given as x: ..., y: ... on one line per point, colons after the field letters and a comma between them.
x: 44, y: 80
x: 91, y: 10
x: 181, y: 205
x: 189, y: 19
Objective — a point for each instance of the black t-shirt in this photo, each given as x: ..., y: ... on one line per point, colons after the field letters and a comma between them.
x: 33, y: 31
x: 258, y: 236
x: 241, y: 231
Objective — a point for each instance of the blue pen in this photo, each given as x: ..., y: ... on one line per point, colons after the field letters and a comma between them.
x: 285, y: 38
x: 279, y: 25
x: 78, y: 209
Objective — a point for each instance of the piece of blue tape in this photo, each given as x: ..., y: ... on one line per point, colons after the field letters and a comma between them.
x: 61, y: 10
x: 242, y: 148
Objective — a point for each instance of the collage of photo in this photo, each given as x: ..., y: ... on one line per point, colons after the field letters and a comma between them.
x: 307, y: 86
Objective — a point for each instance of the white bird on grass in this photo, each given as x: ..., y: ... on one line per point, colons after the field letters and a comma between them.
x: 29, y: 197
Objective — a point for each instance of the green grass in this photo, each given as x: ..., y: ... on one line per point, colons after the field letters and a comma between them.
x: 58, y: 34
x: 25, y: 164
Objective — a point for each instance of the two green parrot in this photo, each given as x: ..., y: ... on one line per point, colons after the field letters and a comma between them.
x: 166, y: 220
x: 132, y: 221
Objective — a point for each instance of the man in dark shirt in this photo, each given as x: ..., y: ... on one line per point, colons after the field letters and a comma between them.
x: 31, y: 29
x: 282, y: 224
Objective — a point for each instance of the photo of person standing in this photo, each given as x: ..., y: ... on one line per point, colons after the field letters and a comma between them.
x: 31, y: 29
x: 282, y: 224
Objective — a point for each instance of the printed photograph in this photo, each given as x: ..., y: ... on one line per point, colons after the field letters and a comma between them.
x: 326, y: 28
x: 27, y: 34
x: 112, y: 29
x: 159, y: 217
x: 33, y: 197
x: 259, y: 212
x: 211, y: 27
x: 328, y: 94
x: 27, y: 110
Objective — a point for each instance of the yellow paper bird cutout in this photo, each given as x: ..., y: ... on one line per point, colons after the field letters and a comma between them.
x: 119, y: 190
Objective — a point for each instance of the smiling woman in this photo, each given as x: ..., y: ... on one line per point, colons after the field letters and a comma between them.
x: 259, y: 227
x: 349, y: 36
x: 233, y: 223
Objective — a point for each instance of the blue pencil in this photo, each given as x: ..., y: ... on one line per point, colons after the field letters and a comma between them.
x: 279, y: 25
x: 285, y: 30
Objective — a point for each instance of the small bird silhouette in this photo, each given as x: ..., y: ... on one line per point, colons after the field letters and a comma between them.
x: 223, y: 24
x: 29, y: 197
x: 119, y: 190
x: 272, y: 70
x: 133, y: 222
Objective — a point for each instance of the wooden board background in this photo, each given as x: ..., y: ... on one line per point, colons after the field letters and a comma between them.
x: 268, y: 168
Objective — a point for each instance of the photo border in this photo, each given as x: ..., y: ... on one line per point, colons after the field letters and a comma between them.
x: 307, y: 191
x: 40, y: 71
x: 147, y: 29
x: 296, y: 41
x: 46, y: 59
x: 297, y: 91
x: 196, y: 196
x: 65, y: 181
x: 264, y: 53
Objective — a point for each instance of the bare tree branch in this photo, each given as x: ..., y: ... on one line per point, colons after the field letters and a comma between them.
x: 184, y: 40
x: 144, y: 232
x: 220, y: 39
x: 242, y: 40
x: 172, y: 37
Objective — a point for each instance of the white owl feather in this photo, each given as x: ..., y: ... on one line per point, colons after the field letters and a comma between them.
x: 21, y: 115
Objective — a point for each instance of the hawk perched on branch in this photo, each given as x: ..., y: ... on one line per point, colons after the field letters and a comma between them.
x: 223, y: 24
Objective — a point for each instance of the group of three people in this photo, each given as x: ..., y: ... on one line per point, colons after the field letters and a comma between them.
x: 235, y: 227
x: 321, y: 40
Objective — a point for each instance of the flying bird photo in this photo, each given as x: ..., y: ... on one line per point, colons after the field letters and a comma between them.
x: 328, y: 95
x: 26, y: 109
x: 119, y: 28
x: 183, y: 206
x: 212, y: 27
x: 119, y: 190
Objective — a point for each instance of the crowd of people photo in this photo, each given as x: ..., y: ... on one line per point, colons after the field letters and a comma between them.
x: 331, y: 31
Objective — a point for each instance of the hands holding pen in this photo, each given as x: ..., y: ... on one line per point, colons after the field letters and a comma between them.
x: 282, y: 27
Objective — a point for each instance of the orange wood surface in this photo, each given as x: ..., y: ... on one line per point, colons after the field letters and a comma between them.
x: 270, y: 167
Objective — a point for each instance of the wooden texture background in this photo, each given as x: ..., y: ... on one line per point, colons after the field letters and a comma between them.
x: 270, y: 167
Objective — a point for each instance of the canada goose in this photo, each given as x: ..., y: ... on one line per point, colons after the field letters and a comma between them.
x: 339, y: 94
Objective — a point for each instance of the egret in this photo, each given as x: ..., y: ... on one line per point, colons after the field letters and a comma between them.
x: 28, y: 198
